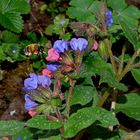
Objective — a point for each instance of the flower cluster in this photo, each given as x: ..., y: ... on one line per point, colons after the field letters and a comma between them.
x: 108, y: 18
x: 57, y: 56
x: 32, y: 83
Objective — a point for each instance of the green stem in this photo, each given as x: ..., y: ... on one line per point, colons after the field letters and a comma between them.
x: 59, y: 116
x: 72, y: 84
x: 128, y: 66
x: 111, y: 55
x: 103, y: 98
x: 122, y: 61
x: 137, y: 65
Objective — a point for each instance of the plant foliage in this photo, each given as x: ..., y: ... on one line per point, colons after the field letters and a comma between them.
x: 10, y: 14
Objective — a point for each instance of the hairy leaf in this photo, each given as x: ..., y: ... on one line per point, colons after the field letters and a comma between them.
x: 136, y: 75
x: 24, y: 134
x: 129, y: 33
x: 100, y: 67
x: 10, y: 127
x: 86, y: 117
x: 41, y: 122
x: 82, y: 95
x: 52, y: 138
x: 130, y: 105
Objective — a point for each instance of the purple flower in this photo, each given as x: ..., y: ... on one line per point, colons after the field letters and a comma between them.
x: 78, y: 44
x: 18, y: 138
x: 31, y: 83
x: 108, y: 18
x: 30, y: 104
x: 52, y: 66
x: 35, y: 80
x: 60, y: 46
x: 44, y: 81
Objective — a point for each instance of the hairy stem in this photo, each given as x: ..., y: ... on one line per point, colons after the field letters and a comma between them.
x: 103, y: 98
x: 111, y: 55
x: 72, y: 83
x: 59, y: 116
x: 122, y: 61
x: 128, y: 66
x: 137, y: 65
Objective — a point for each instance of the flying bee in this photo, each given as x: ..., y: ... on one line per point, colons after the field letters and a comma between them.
x: 35, y: 49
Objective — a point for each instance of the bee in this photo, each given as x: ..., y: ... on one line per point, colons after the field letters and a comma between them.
x: 35, y: 49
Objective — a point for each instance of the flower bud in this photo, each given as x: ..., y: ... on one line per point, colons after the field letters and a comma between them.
x: 53, y: 55
x: 108, y: 17
x: 103, y: 51
x: 95, y: 45
x: 56, y: 101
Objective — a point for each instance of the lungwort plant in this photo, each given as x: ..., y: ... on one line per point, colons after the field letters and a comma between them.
x: 81, y: 89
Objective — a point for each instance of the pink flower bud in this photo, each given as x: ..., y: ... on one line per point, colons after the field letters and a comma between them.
x: 53, y: 55
x: 95, y: 45
x: 32, y: 113
x: 47, y: 72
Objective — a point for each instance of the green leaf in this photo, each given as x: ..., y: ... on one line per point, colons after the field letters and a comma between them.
x: 88, y: 9
x: 66, y: 36
x: 132, y: 12
x: 82, y: 95
x: 24, y: 134
x: 2, y: 54
x: 21, y: 6
x: 117, y: 5
x: 136, y: 75
x: 86, y: 117
x: 41, y: 122
x: 10, y: 127
x: 52, y: 138
x: 97, y: 132
x: 10, y: 14
x: 9, y: 37
x: 130, y: 16
x: 100, y: 67
x: 129, y: 33
x: 130, y: 105
x: 11, y: 21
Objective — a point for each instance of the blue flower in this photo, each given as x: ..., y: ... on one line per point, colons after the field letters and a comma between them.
x: 35, y: 80
x: 78, y: 44
x: 14, y: 51
x: 52, y: 66
x: 108, y: 18
x: 60, y: 46
x: 30, y: 104
x: 18, y: 138
x: 44, y: 81
x: 62, y: 22
x: 31, y: 83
